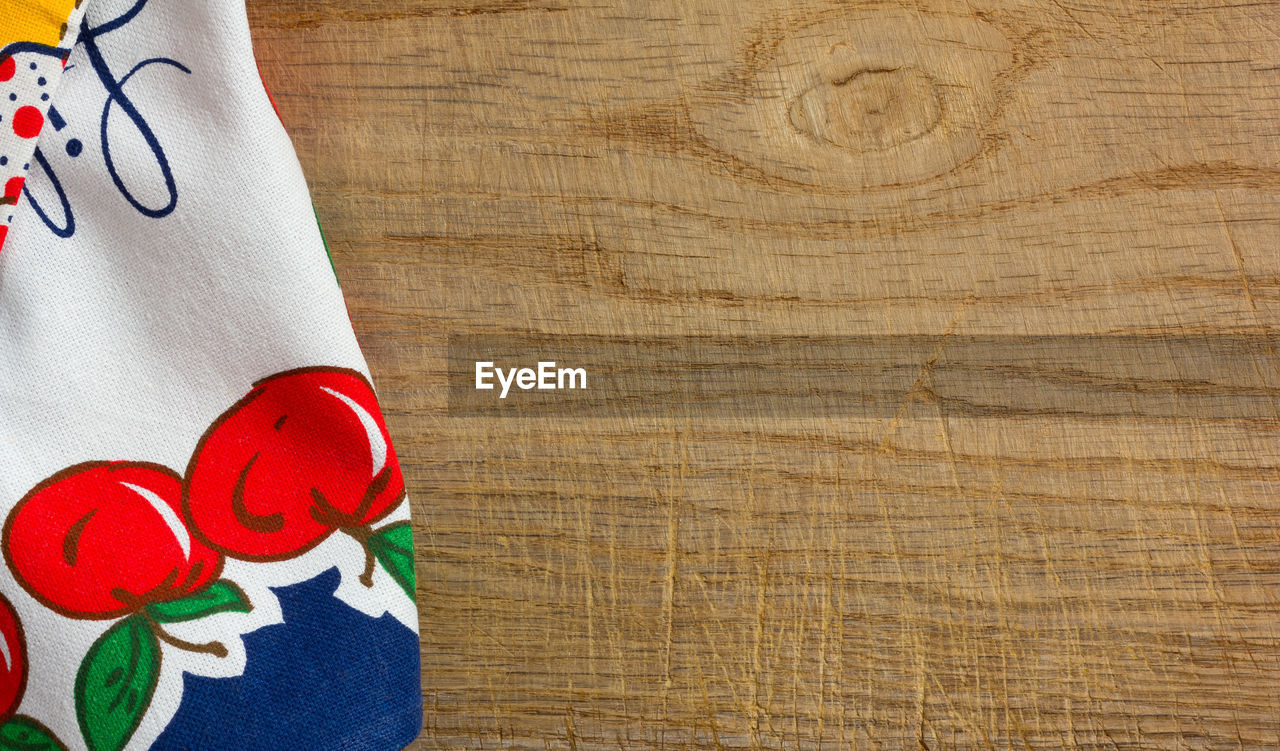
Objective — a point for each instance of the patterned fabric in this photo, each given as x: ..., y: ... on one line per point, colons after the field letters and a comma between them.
x: 206, y: 537
x: 35, y: 36
x: 41, y: 22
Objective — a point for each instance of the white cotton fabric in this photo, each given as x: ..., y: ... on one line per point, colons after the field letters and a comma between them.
x: 128, y: 338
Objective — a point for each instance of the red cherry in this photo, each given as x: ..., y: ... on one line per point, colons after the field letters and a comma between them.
x: 305, y: 453
x: 102, y: 540
x: 13, y: 661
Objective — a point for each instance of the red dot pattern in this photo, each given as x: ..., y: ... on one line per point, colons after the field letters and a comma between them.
x: 22, y: 119
x: 27, y: 122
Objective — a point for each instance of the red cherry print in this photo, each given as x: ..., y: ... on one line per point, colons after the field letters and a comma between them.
x: 305, y: 453
x: 102, y: 540
x: 13, y: 661
x: 13, y: 189
x: 7, y: 68
x: 27, y: 122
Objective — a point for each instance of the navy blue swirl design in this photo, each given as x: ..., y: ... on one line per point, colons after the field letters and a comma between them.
x: 117, y: 97
x: 41, y: 49
x: 68, y: 226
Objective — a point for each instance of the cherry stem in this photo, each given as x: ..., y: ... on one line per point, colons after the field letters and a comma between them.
x: 367, y: 577
x: 361, y: 535
x: 215, y: 648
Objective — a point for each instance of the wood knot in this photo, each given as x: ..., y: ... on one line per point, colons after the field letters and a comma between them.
x: 863, y: 98
x: 868, y: 109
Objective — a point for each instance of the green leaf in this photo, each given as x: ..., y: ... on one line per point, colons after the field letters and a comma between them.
x: 393, y: 547
x: 220, y: 597
x: 115, y: 683
x: 25, y: 734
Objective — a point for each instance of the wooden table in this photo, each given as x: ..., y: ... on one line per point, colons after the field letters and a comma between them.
x: 801, y: 167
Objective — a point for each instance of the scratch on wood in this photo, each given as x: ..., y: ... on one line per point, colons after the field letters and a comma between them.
x: 813, y: 582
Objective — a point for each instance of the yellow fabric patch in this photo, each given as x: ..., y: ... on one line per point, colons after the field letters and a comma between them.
x: 38, y: 21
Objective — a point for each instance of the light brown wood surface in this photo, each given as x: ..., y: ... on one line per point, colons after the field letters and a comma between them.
x: 780, y: 167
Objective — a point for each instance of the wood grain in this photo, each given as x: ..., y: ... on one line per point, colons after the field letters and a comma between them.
x: 780, y: 167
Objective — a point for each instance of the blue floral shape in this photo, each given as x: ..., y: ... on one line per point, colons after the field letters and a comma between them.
x: 327, y: 678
